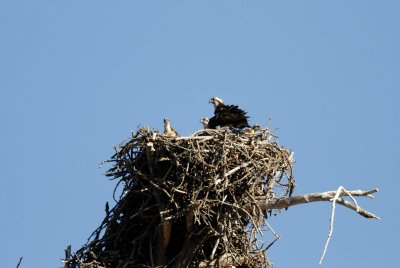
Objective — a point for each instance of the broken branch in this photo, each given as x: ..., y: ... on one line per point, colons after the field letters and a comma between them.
x: 285, y: 202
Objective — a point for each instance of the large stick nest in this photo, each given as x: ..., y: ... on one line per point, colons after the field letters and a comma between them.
x: 189, y: 201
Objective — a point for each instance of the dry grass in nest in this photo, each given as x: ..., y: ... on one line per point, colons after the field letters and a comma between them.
x: 199, y: 192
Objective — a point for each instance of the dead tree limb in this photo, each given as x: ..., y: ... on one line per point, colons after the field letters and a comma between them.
x: 340, y: 192
x: 285, y: 202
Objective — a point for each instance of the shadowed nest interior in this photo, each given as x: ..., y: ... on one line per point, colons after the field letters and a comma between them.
x: 189, y: 201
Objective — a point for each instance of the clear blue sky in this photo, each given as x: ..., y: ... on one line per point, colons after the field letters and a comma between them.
x: 77, y: 76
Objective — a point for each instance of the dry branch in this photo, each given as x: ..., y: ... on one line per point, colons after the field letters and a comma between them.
x: 286, y: 202
x: 19, y: 262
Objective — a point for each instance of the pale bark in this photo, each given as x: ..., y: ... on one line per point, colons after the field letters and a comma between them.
x: 286, y: 202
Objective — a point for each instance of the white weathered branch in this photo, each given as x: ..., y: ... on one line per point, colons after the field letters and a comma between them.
x: 281, y: 203
x: 340, y: 192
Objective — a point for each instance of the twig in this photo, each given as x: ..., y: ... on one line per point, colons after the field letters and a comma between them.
x: 339, y: 192
x: 19, y: 263
x: 272, y: 230
x: 194, y: 138
x: 149, y: 149
x: 277, y: 237
x: 351, y: 196
x: 67, y: 257
x: 225, y: 260
x: 214, y: 249
x: 230, y: 172
x: 151, y: 252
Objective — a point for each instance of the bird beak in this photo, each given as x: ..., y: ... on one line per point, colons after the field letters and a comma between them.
x: 210, y: 101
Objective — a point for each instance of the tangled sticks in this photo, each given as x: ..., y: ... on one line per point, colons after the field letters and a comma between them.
x: 189, y: 201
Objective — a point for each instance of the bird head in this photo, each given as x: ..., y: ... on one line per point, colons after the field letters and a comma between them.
x: 205, y: 121
x: 167, y: 123
x: 256, y: 127
x: 216, y: 101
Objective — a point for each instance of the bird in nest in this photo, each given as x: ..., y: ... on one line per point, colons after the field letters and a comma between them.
x: 168, y: 129
x: 226, y: 115
x: 205, y: 121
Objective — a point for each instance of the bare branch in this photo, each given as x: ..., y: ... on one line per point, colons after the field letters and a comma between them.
x: 286, y: 202
x: 339, y: 192
x: 19, y: 263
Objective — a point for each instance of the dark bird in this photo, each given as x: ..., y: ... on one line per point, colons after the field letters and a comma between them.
x: 168, y: 130
x: 227, y: 115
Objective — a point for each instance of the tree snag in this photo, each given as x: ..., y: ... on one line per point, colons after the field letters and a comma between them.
x: 197, y: 201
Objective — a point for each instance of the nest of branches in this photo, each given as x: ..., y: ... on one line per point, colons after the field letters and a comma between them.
x: 189, y: 201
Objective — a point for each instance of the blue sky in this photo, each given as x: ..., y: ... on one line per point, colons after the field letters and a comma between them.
x: 77, y: 76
